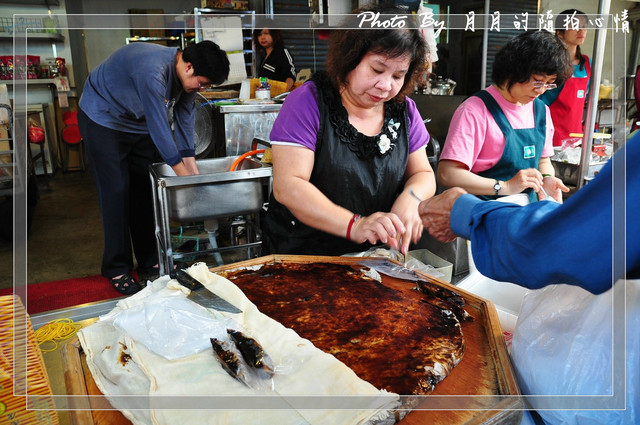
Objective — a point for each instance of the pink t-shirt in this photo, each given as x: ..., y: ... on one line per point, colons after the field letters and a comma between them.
x: 474, y: 137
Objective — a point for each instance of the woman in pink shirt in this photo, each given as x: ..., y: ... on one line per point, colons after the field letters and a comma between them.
x: 501, y: 138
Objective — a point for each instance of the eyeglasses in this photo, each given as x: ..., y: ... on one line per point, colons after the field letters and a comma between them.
x: 540, y: 85
x: 201, y: 85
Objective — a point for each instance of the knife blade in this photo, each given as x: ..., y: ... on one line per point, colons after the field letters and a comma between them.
x: 388, y: 267
x: 200, y: 294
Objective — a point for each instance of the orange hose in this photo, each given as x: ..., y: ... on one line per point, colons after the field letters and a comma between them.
x: 242, y: 158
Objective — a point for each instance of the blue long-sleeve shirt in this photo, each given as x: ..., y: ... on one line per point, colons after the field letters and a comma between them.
x: 132, y: 91
x: 591, y: 240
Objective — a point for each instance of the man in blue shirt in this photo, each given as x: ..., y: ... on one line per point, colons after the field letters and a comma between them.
x: 565, y: 342
x: 546, y: 242
x: 137, y: 108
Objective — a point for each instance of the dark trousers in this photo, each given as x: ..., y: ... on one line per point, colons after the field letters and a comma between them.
x: 119, y: 162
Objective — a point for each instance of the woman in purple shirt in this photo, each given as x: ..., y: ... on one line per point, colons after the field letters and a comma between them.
x: 348, y: 147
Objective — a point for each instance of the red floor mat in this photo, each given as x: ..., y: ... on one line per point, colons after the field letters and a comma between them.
x: 47, y: 296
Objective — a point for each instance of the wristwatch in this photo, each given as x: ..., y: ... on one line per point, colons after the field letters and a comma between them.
x: 497, y: 187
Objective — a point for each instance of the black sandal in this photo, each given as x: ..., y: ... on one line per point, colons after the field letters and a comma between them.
x: 149, y: 274
x: 125, y: 284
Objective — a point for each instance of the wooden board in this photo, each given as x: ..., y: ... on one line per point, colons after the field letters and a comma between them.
x: 479, y: 381
x: 89, y: 404
x: 218, y: 94
x: 485, y: 369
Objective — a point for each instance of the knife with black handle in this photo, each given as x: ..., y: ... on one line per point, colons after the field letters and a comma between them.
x: 201, y: 295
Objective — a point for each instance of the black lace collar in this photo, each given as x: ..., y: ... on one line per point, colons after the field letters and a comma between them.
x: 362, y: 145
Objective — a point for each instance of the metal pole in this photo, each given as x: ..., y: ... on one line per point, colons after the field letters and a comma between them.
x: 485, y: 46
x: 594, y: 91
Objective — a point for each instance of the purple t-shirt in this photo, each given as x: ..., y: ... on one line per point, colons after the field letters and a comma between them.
x: 298, y: 122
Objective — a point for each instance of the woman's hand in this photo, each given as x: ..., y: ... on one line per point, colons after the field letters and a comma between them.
x: 379, y: 226
x: 406, y: 208
x: 420, y: 179
x: 554, y: 188
x: 289, y: 82
x: 524, y: 179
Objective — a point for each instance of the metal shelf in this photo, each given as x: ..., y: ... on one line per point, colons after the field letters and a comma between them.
x: 32, y: 81
x: 39, y: 36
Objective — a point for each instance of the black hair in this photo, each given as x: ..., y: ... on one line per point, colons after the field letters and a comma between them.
x: 528, y: 53
x: 276, y: 38
x: 208, y: 60
x: 347, y: 48
x: 560, y: 28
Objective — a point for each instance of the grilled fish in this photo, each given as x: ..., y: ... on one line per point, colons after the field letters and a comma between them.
x: 229, y: 359
x: 251, y: 351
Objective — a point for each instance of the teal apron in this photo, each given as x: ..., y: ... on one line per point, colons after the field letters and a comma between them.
x: 523, y: 147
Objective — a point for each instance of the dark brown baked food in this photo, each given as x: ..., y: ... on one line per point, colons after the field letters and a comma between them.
x: 397, y: 341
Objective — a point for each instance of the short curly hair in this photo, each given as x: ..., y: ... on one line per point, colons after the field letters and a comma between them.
x: 347, y: 48
x: 528, y: 53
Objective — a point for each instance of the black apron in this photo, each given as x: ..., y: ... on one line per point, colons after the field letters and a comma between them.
x: 350, y: 169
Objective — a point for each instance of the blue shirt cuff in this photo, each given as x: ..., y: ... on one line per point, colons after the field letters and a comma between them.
x: 186, y: 153
x: 173, y: 160
x: 461, y: 218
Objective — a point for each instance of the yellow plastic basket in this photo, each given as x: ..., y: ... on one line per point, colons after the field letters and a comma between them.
x: 23, y: 374
x: 277, y: 87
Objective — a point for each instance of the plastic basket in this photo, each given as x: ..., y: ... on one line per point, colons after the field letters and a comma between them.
x: 25, y: 375
x: 277, y: 87
x: 178, y: 245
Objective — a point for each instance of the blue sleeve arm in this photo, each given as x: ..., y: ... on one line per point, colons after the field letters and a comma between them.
x: 184, y: 125
x: 151, y: 92
x: 546, y: 242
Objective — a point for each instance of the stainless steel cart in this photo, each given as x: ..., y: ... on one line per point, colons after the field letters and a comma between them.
x: 215, y: 193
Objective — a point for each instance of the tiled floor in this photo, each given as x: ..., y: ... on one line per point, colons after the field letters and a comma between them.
x: 65, y: 239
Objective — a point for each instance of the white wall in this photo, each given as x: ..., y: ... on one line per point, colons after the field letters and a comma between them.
x: 101, y: 43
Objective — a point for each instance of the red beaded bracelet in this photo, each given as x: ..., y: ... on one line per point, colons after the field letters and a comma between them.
x: 353, y: 220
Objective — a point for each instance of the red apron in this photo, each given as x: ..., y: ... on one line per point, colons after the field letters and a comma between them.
x: 568, y: 109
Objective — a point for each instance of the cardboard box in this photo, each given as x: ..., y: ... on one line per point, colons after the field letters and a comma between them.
x: 5, y: 146
x: 430, y: 259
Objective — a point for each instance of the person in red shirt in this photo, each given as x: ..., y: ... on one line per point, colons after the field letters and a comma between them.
x: 566, y: 103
